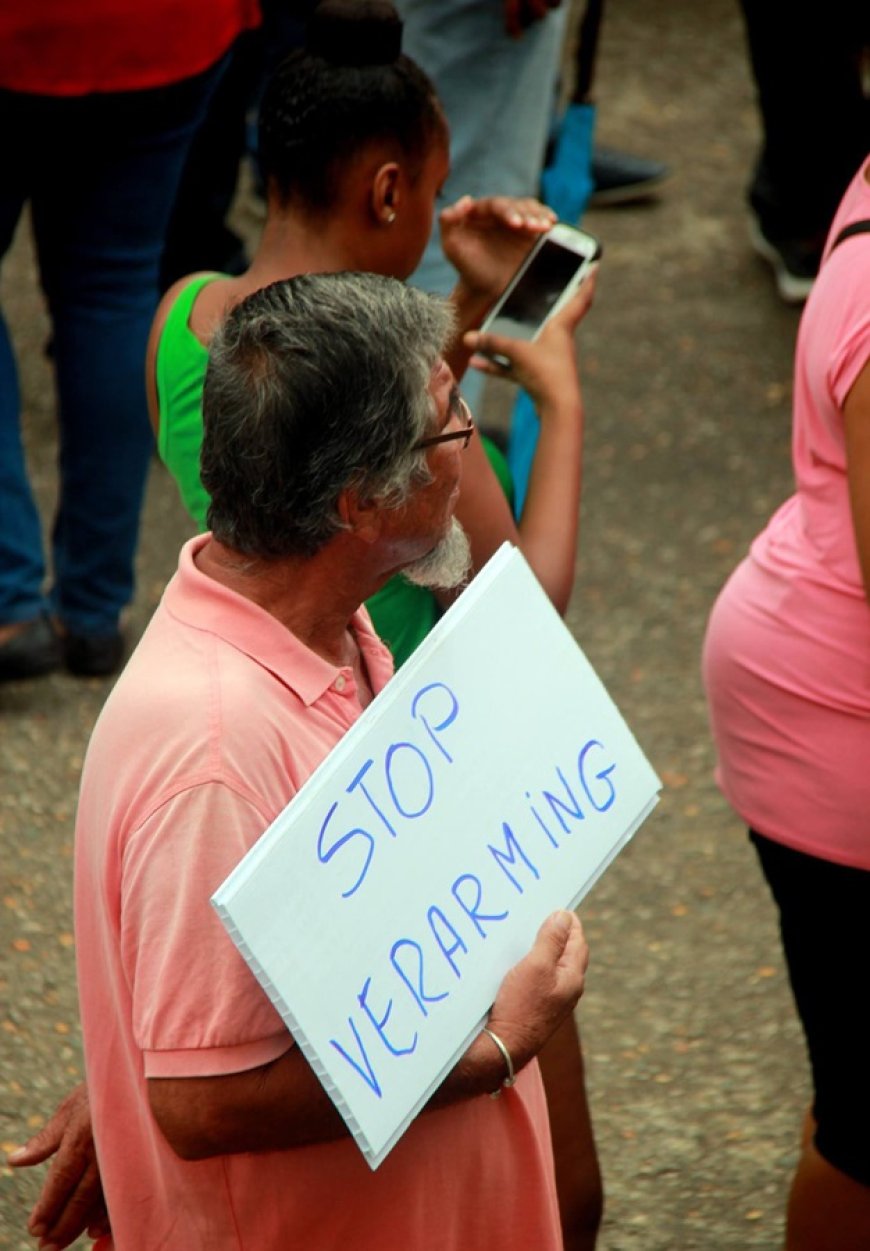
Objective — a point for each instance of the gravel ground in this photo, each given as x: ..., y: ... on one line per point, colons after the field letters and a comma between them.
x: 696, y: 1067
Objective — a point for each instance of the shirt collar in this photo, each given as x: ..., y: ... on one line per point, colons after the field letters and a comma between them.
x: 204, y: 604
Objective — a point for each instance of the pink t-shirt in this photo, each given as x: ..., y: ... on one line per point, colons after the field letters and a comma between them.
x: 217, y: 720
x: 787, y: 652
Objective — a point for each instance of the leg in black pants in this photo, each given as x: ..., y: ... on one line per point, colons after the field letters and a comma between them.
x: 806, y: 59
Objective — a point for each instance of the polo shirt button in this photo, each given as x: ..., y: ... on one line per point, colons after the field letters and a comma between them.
x: 340, y: 682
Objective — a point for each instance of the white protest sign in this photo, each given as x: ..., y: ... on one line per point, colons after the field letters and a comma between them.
x: 491, y: 782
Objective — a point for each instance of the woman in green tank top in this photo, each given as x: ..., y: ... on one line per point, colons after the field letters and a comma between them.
x: 354, y: 150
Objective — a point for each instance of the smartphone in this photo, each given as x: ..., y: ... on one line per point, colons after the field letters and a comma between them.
x: 546, y: 280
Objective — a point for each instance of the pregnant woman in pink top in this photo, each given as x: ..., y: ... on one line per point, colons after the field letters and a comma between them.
x: 787, y: 672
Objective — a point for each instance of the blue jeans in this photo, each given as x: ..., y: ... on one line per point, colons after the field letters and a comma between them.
x: 497, y: 93
x: 100, y: 173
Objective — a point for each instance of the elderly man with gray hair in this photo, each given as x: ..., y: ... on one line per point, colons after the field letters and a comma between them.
x: 334, y: 435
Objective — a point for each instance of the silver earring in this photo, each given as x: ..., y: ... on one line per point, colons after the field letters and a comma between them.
x: 391, y: 217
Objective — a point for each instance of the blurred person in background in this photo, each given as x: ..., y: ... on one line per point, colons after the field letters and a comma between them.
x: 810, y: 67
x: 98, y: 105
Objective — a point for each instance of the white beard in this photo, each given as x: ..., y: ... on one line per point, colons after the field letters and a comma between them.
x: 447, y: 565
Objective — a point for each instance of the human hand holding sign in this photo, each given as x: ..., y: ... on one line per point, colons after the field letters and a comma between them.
x: 536, y: 996
x: 540, y: 992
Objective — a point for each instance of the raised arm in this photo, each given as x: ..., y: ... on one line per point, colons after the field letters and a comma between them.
x: 283, y: 1105
x: 856, y: 416
x: 548, y: 529
x: 486, y: 240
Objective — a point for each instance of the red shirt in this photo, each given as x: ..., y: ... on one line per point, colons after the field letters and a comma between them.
x: 74, y: 47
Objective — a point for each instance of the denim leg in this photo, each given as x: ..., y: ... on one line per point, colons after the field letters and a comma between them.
x: 22, y: 567
x: 100, y: 212
x: 497, y: 93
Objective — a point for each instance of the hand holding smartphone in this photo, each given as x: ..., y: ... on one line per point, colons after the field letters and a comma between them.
x: 547, y: 279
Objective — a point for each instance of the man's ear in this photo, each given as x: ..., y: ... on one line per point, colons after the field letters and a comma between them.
x: 360, y: 517
x: 386, y: 198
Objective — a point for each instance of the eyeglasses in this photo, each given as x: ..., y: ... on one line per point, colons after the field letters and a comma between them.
x: 465, y: 433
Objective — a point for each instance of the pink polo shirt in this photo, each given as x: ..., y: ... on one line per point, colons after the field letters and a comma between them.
x: 217, y: 720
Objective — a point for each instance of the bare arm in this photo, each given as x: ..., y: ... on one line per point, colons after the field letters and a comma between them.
x: 283, y: 1105
x: 163, y: 310
x: 856, y: 415
x: 548, y: 530
x: 578, y: 1176
x: 251, y: 1111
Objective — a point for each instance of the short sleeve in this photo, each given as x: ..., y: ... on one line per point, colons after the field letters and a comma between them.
x: 849, y: 310
x: 197, y: 1008
x: 849, y: 360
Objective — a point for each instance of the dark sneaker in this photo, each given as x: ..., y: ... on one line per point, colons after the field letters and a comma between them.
x: 795, y: 262
x: 619, y: 178
x: 93, y: 655
x: 33, y: 650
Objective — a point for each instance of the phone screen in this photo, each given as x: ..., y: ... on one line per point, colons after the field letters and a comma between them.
x: 549, y: 272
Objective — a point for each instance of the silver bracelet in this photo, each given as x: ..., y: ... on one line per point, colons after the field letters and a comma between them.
x: 506, y: 1056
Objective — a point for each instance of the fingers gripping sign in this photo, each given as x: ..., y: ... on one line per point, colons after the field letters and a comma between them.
x: 538, y: 994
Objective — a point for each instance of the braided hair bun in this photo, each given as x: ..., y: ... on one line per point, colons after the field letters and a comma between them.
x: 350, y: 86
x: 355, y: 32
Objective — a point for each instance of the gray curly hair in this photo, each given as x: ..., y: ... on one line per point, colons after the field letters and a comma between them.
x: 314, y: 385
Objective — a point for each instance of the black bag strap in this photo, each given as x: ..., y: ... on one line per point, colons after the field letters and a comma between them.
x: 855, y: 228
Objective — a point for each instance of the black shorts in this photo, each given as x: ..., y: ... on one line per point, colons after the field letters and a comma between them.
x: 824, y: 912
